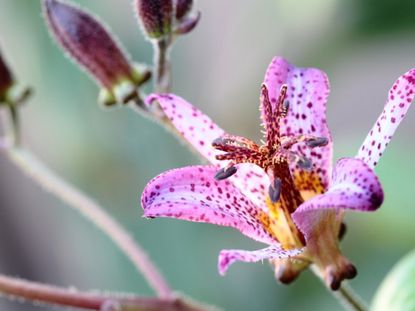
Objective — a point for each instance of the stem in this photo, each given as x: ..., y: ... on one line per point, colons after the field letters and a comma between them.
x: 92, y: 211
x: 345, y: 295
x: 162, y: 66
x: 350, y: 300
x: 37, y: 292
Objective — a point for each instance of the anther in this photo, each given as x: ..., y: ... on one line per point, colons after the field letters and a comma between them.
x: 274, y: 190
x: 284, y: 109
x: 304, y: 163
x: 226, y: 172
x: 317, y: 142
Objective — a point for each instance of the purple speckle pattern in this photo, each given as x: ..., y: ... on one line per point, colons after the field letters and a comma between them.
x: 354, y: 186
x: 228, y: 257
x: 200, y: 131
x: 196, y: 127
x: 399, y: 100
x: 192, y: 194
x: 307, y: 93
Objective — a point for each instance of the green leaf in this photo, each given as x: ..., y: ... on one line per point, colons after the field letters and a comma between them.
x: 397, y: 291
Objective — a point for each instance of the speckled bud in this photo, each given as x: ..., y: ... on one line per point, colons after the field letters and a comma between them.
x: 92, y: 46
x: 155, y: 16
x: 10, y: 91
x: 183, y: 7
x: 6, y: 78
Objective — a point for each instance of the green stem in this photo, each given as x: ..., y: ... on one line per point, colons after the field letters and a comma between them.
x: 162, y: 66
x: 345, y: 295
x: 349, y: 299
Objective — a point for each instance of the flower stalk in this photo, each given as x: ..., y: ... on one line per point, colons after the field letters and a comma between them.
x: 90, y: 209
x: 162, y: 66
x: 345, y: 295
x: 52, y: 295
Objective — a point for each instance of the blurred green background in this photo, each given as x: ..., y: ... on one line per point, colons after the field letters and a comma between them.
x: 363, y: 45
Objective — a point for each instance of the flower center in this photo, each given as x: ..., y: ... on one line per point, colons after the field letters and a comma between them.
x: 274, y: 156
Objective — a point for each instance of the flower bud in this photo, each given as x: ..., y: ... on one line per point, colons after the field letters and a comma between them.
x: 183, y: 7
x: 91, y: 45
x: 155, y: 16
x: 10, y: 91
x: 6, y: 79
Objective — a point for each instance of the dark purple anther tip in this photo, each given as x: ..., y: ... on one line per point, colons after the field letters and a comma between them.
x: 305, y: 163
x: 224, y: 173
x: 274, y: 190
x: 317, y: 142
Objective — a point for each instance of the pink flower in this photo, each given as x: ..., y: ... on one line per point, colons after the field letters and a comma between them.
x: 283, y: 193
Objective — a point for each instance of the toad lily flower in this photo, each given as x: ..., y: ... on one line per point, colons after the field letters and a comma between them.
x: 283, y: 193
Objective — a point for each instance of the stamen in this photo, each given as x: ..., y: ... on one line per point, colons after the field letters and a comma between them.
x: 225, y: 172
x: 274, y: 190
x: 220, y: 141
x: 317, y: 142
x: 284, y: 109
x: 305, y: 163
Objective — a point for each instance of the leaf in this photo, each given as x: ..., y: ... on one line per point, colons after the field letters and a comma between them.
x: 397, y: 291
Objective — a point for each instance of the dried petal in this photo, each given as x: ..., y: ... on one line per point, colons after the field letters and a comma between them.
x: 155, y: 17
x: 92, y: 46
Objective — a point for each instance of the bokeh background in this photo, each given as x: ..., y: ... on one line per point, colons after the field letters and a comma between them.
x: 363, y: 45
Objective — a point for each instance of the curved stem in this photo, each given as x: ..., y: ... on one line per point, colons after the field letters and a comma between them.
x: 91, y: 210
x: 345, y: 295
x: 52, y: 295
x: 350, y: 299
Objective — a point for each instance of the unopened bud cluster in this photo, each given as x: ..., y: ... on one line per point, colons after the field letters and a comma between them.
x: 163, y: 18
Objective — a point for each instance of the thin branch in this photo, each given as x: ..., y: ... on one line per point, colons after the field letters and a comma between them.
x: 91, y: 210
x: 162, y: 66
x: 350, y: 299
x: 52, y: 295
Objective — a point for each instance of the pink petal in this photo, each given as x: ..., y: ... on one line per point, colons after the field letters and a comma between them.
x: 308, y: 89
x: 191, y: 193
x: 228, y: 257
x: 400, y: 98
x: 196, y: 127
x: 252, y: 181
x: 355, y: 186
x: 200, y: 131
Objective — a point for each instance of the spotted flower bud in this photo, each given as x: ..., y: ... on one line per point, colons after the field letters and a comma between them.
x: 155, y: 16
x: 91, y: 45
x: 10, y: 91
x: 183, y: 7
x: 160, y: 19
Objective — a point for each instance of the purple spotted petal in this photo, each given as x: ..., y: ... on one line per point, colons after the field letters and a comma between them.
x: 228, y: 257
x: 191, y: 193
x: 308, y: 89
x: 355, y: 186
x: 400, y: 98
x: 196, y: 127
x: 200, y: 131
x: 252, y: 181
